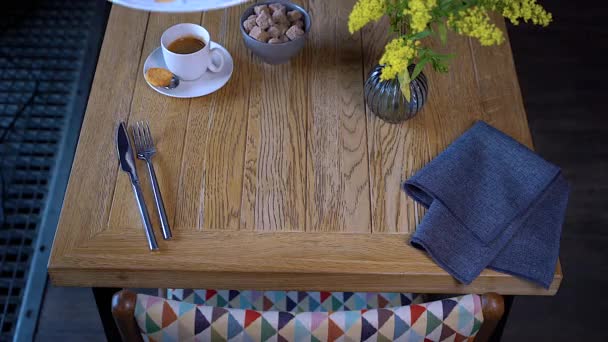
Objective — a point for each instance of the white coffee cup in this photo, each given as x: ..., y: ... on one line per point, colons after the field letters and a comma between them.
x: 193, y: 65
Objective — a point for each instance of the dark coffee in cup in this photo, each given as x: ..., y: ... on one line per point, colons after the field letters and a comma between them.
x: 186, y: 45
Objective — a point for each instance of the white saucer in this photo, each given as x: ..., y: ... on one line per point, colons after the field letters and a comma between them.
x: 206, y: 84
x: 177, y: 5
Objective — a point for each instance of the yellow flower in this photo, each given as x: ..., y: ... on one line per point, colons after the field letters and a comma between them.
x: 528, y: 10
x: 365, y: 11
x: 475, y: 22
x: 398, y: 54
x: 420, y: 13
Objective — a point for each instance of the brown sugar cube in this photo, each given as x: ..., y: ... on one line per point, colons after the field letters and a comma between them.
x: 277, y: 8
x: 258, y: 34
x: 275, y: 41
x: 299, y: 24
x: 260, y: 9
x: 282, y: 28
x: 280, y: 18
x: 249, y: 24
x: 294, y: 15
x: 263, y: 20
x: 253, y: 16
x: 274, y: 31
x: 294, y: 32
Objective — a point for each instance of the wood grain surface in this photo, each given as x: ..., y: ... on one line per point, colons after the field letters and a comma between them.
x: 282, y: 179
x: 338, y: 177
x: 274, y: 197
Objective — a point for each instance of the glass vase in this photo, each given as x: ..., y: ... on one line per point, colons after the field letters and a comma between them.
x: 385, y: 99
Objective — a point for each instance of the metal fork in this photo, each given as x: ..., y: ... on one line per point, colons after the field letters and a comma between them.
x: 144, y: 146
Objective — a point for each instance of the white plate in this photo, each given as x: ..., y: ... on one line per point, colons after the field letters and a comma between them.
x: 177, y: 5
x: 206, y: 84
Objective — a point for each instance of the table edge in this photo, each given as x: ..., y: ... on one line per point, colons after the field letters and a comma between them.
x: 402, y: 268
x: 443, y: 283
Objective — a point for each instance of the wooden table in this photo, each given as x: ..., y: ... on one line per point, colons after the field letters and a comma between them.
x: 280, y: 180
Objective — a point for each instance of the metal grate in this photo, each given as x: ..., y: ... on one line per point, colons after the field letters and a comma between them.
x: 42, y: 49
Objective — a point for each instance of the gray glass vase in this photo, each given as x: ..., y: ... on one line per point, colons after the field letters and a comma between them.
x: 385, y: 100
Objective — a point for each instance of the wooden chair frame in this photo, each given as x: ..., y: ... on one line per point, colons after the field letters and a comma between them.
x: 123, y: 310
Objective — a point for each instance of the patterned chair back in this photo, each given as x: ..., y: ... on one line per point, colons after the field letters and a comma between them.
x: 217, y: 315
x: 294, y: 301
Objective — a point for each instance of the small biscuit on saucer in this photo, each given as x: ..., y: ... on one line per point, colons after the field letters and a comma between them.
x: 159, y: 77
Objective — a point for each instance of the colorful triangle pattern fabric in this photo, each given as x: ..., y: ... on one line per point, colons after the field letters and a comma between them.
x: 294, y: 301
x: 454, y: 319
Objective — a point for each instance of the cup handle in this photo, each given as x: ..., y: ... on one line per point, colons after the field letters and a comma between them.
x: 213, y: 67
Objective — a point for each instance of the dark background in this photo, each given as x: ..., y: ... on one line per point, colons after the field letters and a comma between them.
x: 562, y: 71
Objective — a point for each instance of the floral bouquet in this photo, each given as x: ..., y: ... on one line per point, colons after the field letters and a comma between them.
x: 414, y: 20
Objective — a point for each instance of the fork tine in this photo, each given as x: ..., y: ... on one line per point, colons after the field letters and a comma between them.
x: 142, y: 136
x: 136, y: 129
x: 149, y: 136
x: 135, y: 138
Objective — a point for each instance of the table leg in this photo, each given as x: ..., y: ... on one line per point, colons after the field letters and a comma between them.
x: 103, y: 299
x: 501, y: 324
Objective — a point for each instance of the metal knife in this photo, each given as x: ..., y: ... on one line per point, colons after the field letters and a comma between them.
x: 127, y: 164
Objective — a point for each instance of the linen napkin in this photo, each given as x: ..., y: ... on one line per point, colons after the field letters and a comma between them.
x: 493, y: 203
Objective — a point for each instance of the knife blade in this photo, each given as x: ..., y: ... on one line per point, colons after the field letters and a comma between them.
x: 127, y: 164
x: 125, y: 151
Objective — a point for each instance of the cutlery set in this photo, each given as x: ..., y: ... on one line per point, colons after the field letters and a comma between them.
x: 144, y: 150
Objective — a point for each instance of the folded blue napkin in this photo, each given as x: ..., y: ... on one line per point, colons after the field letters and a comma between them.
x: 493, y: 203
